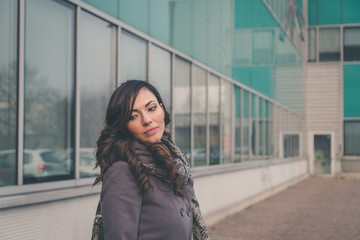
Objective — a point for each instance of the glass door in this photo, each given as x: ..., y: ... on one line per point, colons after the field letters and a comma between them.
x: 322, y: 154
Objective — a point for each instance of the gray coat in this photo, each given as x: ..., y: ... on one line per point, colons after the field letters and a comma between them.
x: 157, y: 214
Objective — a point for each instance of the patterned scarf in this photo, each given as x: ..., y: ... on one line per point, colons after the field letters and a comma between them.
x: 199, y: 229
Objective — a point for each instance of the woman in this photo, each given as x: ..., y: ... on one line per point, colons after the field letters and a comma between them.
x: 147, y: 191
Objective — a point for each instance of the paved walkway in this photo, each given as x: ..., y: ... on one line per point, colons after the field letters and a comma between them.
x: 314, y: 209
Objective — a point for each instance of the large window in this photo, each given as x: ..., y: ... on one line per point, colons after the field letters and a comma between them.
x: 97, y: 82
x: 8, y: 91
x: 352, y: 138
x: 352, y: 44
x: 199, y: 113
x: 49, y: 91
x: 182, y: 105
x: 133, y: 57
x: 214, y: 110
x: 291, y: 145
x: 238, y: 124
x: 329, y: 44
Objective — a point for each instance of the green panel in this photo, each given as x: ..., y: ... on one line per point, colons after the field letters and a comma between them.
x: 258, y: 78
x: 253, y: 106
x: 313, y: 12
x: 109, y: 6
x: 242, y: 74
x: 260, y: 107
x: 252, y: 14
x: 351, y: 90
x: 329, y: 12
x: 245, y: 104
x: 159, y: 25
x: 351, y: 11
x: 261, y: 80
x: 135, y: 12
x: 237, y: 101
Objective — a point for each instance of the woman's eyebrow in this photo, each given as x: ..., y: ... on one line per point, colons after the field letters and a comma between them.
x: 135, y: 110
x: 149, y: 103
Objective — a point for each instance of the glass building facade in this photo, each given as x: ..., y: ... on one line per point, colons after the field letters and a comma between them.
x: 220, y: 70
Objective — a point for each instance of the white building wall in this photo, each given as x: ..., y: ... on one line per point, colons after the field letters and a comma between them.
x: 324, y: 103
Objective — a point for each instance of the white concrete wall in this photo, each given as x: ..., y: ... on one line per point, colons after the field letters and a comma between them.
x: 72, y: 218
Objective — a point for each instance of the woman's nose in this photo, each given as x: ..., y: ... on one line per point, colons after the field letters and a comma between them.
x: 146, y: 120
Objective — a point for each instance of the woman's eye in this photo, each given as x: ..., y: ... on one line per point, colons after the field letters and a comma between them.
x: 133, y: 117
x: 152, y: 108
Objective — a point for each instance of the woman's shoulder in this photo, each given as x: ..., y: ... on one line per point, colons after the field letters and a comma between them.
x: 119, y: 169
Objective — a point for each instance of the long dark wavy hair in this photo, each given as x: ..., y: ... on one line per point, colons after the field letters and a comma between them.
x: 116, y: 143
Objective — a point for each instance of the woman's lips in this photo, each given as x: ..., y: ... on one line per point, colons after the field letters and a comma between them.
x: 151, y: 131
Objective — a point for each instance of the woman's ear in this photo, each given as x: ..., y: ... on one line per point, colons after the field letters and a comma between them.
x: 162, y: 106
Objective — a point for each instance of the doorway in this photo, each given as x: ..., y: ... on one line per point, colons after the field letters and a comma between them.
x: 322, y: 154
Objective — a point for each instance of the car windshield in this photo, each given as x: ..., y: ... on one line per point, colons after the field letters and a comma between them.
x: 53, y: 156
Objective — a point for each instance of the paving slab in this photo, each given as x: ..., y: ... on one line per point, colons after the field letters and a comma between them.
x: 314, y: 209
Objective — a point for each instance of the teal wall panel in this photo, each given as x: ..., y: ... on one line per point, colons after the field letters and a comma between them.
x: 108, y: 6
x: 351, y: 11
x: 329, y: 12
x: 258, y: 78
x: 261, y: 80
x: 252, y: 14
x: 325, y: 12
x: 313, y: 12
x: 351, y: 90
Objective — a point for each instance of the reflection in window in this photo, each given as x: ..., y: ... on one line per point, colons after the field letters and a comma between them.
x: 291, y: 145
x: 49, y: 91
x: 246, y: 126
x: 182, y: 105
x: 268, y: 130
x: 8, y: 91
x: 263, y: 47
x: 312, y: 45
x: 213, y: 108
x: 133, y: 57
x: 238, y: 107
x: 261, y: 129
x: 199, y: 112
x: 329, y: 44
x: 352, y: 138
x: 97, y: 82
x: 160, y: 75
x: 352, y: 44
x: 254, y: 127
x: 226, y: 117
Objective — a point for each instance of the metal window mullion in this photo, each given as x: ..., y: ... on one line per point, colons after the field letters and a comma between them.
x: 21, y: 90
x: 173, y: 96
x: 118, y: 56
x: 264, y: 122
x: 207, y: 120
x: 191, y: 115
x: 220, y: 122
x: 250, y: 131
x: 148, y: 45
x: 257, y: 117
x: 241, y: 125
x: 341, y: 43
x: 77, y: 92
x: 233, y: 129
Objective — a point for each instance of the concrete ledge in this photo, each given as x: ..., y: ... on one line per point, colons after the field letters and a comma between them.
x: 217, y: 216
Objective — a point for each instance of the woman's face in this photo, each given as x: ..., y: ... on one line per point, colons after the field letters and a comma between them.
x: 147, y: 118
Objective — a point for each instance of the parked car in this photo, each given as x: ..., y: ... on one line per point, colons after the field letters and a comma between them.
x: 45, y: 162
